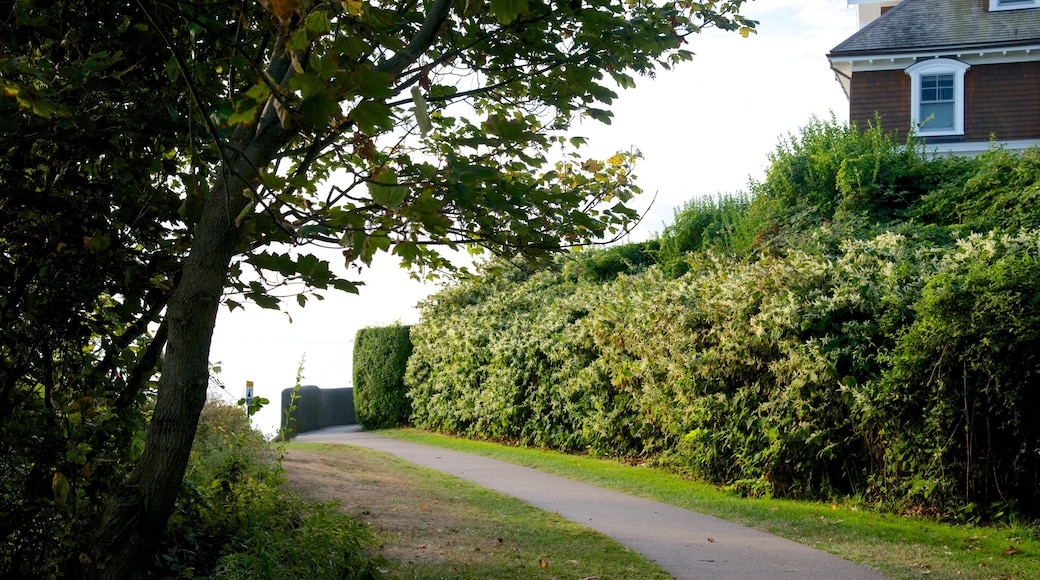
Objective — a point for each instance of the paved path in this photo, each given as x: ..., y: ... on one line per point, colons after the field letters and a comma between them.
x: 690, y: 545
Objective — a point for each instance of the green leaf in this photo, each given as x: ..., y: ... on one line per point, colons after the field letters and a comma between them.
x: 408, y: 251
x: 386, y: 192
x: 600, y: 115
x: 60, y: 487
x: 266, y: 301
x: 507, y: 129
x: 244, y: 114
x: 422, y: 115
x: 506, y: 11
x: 306, y: 264
x: 316, y: 25
x: 318, y: 109
x: 471, y: 174
x: 32, y: 100
x: 78, y: 454
x: 371, y: 117
x: 366, y: 82
x: 346, y: 286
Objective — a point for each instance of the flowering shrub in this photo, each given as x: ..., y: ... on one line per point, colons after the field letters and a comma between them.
x: 864, y: 355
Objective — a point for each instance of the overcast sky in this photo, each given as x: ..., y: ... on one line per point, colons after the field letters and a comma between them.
x: 706, y: 127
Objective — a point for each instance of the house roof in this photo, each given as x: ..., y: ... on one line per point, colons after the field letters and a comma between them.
x: 929, y: 25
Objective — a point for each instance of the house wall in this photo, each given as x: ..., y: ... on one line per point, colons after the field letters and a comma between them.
x: 888, y: 93
x: 999, y: 99
x: 1002, y: 99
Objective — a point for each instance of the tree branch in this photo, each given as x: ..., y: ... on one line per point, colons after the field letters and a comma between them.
x: 420, y: 43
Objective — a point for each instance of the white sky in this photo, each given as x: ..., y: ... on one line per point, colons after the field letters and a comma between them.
x: 705, y: 127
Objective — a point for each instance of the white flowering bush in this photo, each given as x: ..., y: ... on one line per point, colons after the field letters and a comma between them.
x: 860, y: 354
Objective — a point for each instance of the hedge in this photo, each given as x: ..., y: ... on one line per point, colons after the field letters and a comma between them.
x: 380, y: 358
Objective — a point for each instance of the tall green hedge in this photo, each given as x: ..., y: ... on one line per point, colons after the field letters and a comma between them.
x: 854, y: 352
x: 380, y: 358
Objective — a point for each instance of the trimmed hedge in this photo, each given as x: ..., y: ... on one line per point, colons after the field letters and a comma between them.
x: 380, y: 358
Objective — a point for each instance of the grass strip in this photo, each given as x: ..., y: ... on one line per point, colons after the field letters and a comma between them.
x: 431, y: 525
x: 897, y: 546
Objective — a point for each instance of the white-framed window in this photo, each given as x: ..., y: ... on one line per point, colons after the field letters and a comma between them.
x: 1012, y: 4
x: 937, y: 96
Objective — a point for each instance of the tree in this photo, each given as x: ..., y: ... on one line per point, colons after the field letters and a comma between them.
x: 164, y: 156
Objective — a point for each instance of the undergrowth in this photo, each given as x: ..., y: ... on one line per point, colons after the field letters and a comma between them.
x: 234, y: 517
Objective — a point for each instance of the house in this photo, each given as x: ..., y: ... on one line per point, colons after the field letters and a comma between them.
x: 961, y: 72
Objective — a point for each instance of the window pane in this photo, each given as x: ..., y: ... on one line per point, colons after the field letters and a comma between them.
x: 936, y: 88
x: 942, y: 119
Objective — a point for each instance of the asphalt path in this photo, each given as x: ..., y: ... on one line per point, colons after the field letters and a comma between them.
x: 690, y: 545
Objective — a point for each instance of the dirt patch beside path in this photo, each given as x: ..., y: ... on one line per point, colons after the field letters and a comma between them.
x: 414, y: 524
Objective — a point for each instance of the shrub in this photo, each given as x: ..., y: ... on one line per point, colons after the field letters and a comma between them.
x: 742, y: 372
x: 723, y: 223
x: 955, y: 407
x: 604, y: 264
x: 841, y: 349
x: 380, y: 359
x: 838, y: 173
x: 233, y: 517
x: 513, y: 365
x: 999, y: 189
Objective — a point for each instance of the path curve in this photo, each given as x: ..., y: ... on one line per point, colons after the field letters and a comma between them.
x: 690, y: 545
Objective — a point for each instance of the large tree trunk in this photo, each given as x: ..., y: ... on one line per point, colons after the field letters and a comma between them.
x: 131, y: 525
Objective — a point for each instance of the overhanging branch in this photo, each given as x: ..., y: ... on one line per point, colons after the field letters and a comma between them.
x: 420, y: 43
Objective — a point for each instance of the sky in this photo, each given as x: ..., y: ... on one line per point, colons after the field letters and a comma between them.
x: 705, y: 127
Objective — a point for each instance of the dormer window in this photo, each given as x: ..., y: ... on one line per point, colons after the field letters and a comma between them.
x: 937, y: 96
x: 995, y: 5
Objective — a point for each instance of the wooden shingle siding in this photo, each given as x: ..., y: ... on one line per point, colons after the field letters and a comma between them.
x: 1004, y: 100
x: 1001, y: 100
x: 886, y: 92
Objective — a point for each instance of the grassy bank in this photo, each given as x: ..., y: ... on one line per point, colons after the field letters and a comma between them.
x: 898, y: 546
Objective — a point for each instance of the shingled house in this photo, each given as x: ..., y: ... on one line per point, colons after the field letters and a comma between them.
x: 959, y: 71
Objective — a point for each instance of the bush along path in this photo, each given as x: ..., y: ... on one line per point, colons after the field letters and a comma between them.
x: 687, y: 544
x: 861, y: 325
